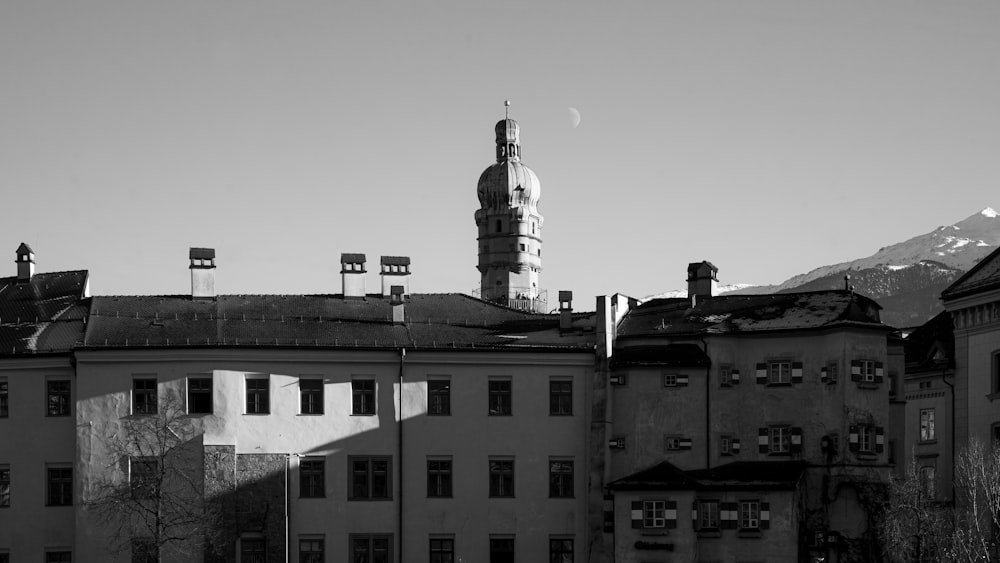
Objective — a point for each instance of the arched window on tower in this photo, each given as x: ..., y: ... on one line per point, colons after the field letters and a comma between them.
x: 511, y: 150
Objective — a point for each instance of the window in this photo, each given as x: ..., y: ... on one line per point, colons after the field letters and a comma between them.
x: 258, y: 395
x: 370, y: 478
x: 654, y: 514
x: 371, y: 548
x: 200, y: 395
x: 4, y: 486
x: 311, y: 395
x: 867, y: 370
x: 58, y: 557
x: 560, y: 550
x: 866, y: 439
x: 726, y: 445
x: 438, y: 478
x: 312, y: 481
x: 669, y: 380
x: 144, y: 478
x: 779, y: 440
x: 779, y: 372
x: 144, y: 551
x: 672, y: 443
x: 995, y: 368
x: 253, y: 550
x: 60, y: 486
x: 499, y: 226
x: 311, y: 550
x: 501, y: 550
x: 832, y: 372
x: 4, y: 557
x: 363, y: 396
x: 560, y: 397
x: 726, y: 374
x: 500, y: 397
x: 560, y: 478
x: 926, y: 425
x: 708, y: 515
x: 442, y: 550
x: 58, y: 398
x: 438, y: 397
x: 4, y: 404
x: 501, y: 478
x: 749, y: 515
x: 144, y: 396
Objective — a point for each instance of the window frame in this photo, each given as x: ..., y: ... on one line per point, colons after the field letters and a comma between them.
x: 308, y: 553
x: 258, y: 396
x: 59, y: 485
x: 144, y: 477
x: 439, y: 397
x: 143, y: 550
x: 927, y: 430
x: 867, y: 368
x: 58, y: 556
x: 562, y: 482
x: 560, y: 547
x: 366, y: 491
x: 63, y: 398
x: 312, y: 477
x: 560, y: 396
x: 784, y: 439
x: 441, y: 549
x: 779, y: 372
x: 363, y: 396
x: 312, y: 391
x: 866, y: 434
x: 501, y: 397
x: 251, y: 547
x: 748, y: 518
x: 501, y: 477
x: 654, y: 513
x: 145, y: 395
x: 370, y: 553
x: 440, y: 477
x: 502, y: 549
x: 194, y: 392
x: 708, y: 519
x: 4, y: 397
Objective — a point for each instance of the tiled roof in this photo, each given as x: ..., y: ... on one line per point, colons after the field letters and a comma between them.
x: 352, y: 258
x: 745, y: 475
x: 750, y: 313
x: 201, y: 254
x: 675, y: 355
x: 396, y: 260
x: 44, y: 314
x: 447, y: 320
x: 984, y: 276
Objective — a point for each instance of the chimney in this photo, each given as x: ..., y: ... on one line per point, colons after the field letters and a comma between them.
x: 352, y: 273
x: 395, y: 271
x: 701, y: 280
x: 202, y: 273
x: 565, y: 310
x: 25, y: 263
x: 396, y: 298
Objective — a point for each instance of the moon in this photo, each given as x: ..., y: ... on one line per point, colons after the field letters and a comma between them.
x: 574, y: 117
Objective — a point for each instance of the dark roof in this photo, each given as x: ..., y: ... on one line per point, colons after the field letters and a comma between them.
x: 444, y: 320
x: 984, y: 276
x: 202, y: 254
x: 396, y: 260
x: 738, y: 475
x: 931, y: 346
x: 671, y: 355
x: 352, y: 258
x: 44, y: 314
x: 24, y: 249
x: 750, y: 313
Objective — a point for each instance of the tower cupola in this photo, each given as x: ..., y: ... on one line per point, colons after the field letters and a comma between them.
x: 25, y: 263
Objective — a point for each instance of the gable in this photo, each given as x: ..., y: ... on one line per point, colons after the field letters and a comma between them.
x: 982, y: 277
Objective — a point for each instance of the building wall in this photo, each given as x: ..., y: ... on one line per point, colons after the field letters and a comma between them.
x: 925, y: 392
x: 977, y: 340
x: 31, y: 442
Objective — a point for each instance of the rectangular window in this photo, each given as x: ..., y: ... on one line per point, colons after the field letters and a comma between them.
x: 866, y: 439
x: 4, y: 404
x: 560, y: 478
x: 58, y: 557
x: 780, y: 439
x: 867, y: 370
x: 312, y: 480
x: 144, y: 396
x: 725, y: 376
x: 438, y: 478
x: 311, y: 395
x: 560, y: 397
x: 363, y: 396
x: 253, y: 550
x: 200, y: 395
x: 672, y: 443
x: 311, y: 550
x: 779, y: 372
x: 258, y: 395
x: 60, y: 486
x: 144, y: 551
x: 926, y: 425
x: 500, y: 404
x: 708, y: 515
x: 832, y: 369
x: 501, y: 550
x: 438, y: 397
x: 560, y: 550
x: 370, y: 478
x: 4, y: 486
x: 58, y: 398
x: 501, y: 478
x: 669, y: 380
x: 371, y: 548
x: 749, y: 515
x: 726, y: 445
x: 442, y: 550
x: 654, y: 514
x: 144, y: 477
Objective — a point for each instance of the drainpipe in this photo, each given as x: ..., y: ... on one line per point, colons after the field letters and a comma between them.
x: 708, y: 408
x: 399, y: 522
x: 944, y: 379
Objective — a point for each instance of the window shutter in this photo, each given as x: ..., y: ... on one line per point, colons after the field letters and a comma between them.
x: 727, y: 515
x: 852, y: 438
x: 879, y: 373
x: 671, y: 514
x: 796, y: 372
x: 796, y: 443
x: 763, y: 441
x: 684, y: 444
x: 734, y: 377
x: 765, y: 515
x: 636, y: 514
x: 762, y: 373
x: 734, y: 446
x: 694, y: 515
x: 855, y: 370
x: 879, y: 439
x: 824, y: 374
x: 682, y: 380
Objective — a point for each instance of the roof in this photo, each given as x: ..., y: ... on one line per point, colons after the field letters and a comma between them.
x: 44, y: 314
x: 444, y: 320
x: 931, y: 346
x: 202, y: 254
x: 984, y: 276
x: 23, y: 248
x: 750, y: 313
x: 671, y: 355
x: 394, y: 260
x: 352, y: 258
x: 746, y: 475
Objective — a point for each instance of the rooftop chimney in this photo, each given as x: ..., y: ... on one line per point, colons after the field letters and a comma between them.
x: 352, y: 273
x: 25, y: 263
x: 397, y: 299
x: 701, y: 279
x: 395, y: 271
x: 565, y: 310
x: 202, y: 273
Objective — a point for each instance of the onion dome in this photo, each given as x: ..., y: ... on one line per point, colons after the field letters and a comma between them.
x: 508, y: 183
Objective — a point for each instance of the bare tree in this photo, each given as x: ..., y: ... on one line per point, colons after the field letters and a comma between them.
x: 150, y: 499
x: 914, y: 526
x: 977, y: 502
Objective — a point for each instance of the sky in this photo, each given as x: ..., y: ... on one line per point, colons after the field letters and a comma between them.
x: 768, y: 137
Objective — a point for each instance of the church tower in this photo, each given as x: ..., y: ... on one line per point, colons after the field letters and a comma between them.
x: 510, y: 227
